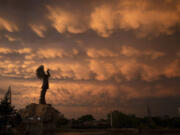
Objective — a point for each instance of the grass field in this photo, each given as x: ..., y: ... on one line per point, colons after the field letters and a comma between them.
x: 130, y: 131
x: 121, y: 132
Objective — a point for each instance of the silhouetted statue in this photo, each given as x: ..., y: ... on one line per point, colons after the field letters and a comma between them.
x: 45, y: 77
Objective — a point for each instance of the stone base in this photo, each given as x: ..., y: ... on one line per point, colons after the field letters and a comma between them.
x: 39, y: 119
x: 40, y: 112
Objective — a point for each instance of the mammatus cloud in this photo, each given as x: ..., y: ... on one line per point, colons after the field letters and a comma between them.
x: 133, y: 52
x: 172, y: 69
x: 11, y: 38
x: 102, y: 20
x: 140, y: 16
x: 7, y: 25
x: 65, y: 21
x: 125, y: 50
x: 96, y: 53
x: 20, y: 51
x: 55, y: 53
x: 98, y: 64
x: 5, y: 50
x: 91, y: 47
x: 143, y: 17
x: 50, y: 53
x: 38, y: 29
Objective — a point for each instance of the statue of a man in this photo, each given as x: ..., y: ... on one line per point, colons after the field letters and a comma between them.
x: 45, y: 77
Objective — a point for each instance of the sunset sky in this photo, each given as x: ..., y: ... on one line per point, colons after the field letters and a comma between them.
x: 103, y: 55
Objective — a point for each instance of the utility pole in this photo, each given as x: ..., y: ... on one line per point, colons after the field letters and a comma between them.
x: 111, y: 119
x: 148, y: 111
x: 149, y: 115
x: 9, y: 90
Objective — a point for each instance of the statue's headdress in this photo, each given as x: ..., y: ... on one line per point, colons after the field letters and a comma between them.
x: 40, y: 72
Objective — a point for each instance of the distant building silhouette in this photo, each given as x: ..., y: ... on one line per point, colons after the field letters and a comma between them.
x: 179, y: 111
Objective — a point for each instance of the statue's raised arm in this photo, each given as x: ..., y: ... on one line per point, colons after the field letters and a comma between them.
x: 48, y: 73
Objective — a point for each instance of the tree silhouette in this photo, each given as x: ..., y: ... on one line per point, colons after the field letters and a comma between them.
x: 8, y: 114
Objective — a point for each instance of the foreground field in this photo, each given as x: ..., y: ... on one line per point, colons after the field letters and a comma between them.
x: 121, y: 132
x: 130, y: 131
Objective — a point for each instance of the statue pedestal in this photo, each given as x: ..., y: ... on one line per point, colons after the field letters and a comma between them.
x: 40, y: 117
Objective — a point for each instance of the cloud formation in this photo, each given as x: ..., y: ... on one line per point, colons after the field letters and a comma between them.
x: 96, y: 59
x: 143, y: 17
x: 7, y: 25
x: 97, y: 64
x: 133, y: 52
x: 65, y: 21
x: 38, y: 29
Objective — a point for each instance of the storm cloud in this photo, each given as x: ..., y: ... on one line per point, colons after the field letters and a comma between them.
x: 101, y: 54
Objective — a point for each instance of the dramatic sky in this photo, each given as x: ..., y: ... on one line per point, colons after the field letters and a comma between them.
x: 103, y: 55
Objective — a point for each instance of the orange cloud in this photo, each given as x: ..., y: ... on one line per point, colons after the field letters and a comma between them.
x: 148, y: 21
x: 131, y: 52
x: 7, y: 25
x: 38, y: 29
x: 24, y: 50
x: 95, y: 53
x: 93, y: 67
x: 5, y: 50
x: 140, y: 16
x: 50, y: 53
x: 63, y: 20
x: 172, y: 70
x: 20, y: 51
x: 54, y: 53
x: 10, y: 38
x: 103, y: 20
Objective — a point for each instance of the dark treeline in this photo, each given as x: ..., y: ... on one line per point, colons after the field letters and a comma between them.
x: 122, y: 120
x: 9, y: 117
x: 115, y: 119
x: 118, y: 119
